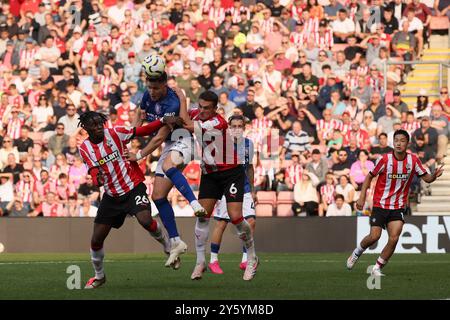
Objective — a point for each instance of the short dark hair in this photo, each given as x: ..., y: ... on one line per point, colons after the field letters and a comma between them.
x: 339, y: 196
x: 161, y: 79
x: 401, y: 132
x: 210, y: 96
x: 237, y: 117
x: 382, y: 134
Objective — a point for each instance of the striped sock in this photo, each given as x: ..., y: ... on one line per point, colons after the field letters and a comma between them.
x: 381, y: 263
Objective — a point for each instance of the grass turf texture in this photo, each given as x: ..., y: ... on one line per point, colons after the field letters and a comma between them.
x: 280, y: 276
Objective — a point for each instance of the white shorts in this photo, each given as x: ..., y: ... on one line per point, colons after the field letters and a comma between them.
x: 248, y: 208
x: 184, y: 146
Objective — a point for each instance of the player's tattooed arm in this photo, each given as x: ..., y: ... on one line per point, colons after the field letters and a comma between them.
x: 364, y: 188
x: 154, y: 143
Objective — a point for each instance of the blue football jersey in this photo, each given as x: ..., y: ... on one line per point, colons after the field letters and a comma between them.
x: 167, y: 106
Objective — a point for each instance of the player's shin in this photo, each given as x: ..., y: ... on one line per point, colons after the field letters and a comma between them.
x: 245, y: 234
x: 201, y: 237
x: 97, y: 256
x: 168, y: 218
x: 158, y: 234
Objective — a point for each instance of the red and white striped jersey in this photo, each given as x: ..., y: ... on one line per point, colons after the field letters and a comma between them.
x: 327, y: 191
x: 296, y: 12
x: 120, y: 175
x: 362, y: 138
x: 362, y: 70
x: 87, y: 56
x: 352, y: 11
x: 205, y: 5
x: 411, y: 127
x: 236, y: 13
x: 217, y: 15
x: 394, y: 179
x: 104, y: 84
x: 351, y: 82
x: 324, y: 41
x: 375, y: 83
x: 16, y: 101
x: 216, y: 43
x: 312, y: 26
x: 294, y: 172
x: 25, y: 190
x: 128, y: 27
x: 123, y: 112
x: 264, y: 123
x: 26, y: 57
x: 148, y: 26
x: 115, y: 43
x: 267, y: 25
x: 260, y: 173
x: 299, y: 39
x: 216, y: 127
x: 327, y: 127
x: 33, y: 97
x: 345, y: 127
x: 14, y: 127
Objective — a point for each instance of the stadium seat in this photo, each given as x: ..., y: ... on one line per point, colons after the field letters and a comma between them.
x: 439, y: 23
x: 266, y: 202
x: 284, y: 204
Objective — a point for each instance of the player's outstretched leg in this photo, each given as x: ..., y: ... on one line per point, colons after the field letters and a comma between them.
x: 201, y: 237
x: 159, y: 196
x: 243, y: 264
x: 394, y: 229
x: 99, y: 235
x: 216, y: 240
x: 179, y: 181
x: 369, y: 240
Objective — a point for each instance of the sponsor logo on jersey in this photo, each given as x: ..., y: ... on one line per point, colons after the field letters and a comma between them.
x: 108, y: 158
x: 402, y: 176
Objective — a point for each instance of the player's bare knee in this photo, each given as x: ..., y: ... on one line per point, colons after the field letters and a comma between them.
x: 393, y: 238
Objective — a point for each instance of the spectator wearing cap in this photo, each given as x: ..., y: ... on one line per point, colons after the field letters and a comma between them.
x: 132, y: 68
x: 318, y: 165
x: 176, y: 12
x: 430, y: 134
x: 425, y: 153
x: 186, y: 50
x: 197, y: 64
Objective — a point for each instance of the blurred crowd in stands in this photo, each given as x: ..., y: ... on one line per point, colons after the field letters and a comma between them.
x: 312, y: 69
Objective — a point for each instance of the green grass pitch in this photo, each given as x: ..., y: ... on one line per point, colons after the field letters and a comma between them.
x: 280, y: 276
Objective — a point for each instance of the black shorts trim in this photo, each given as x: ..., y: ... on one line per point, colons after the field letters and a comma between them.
x: 229, y: 220
x: 113, y: 210
x: 381, y: 217
x: 229, y: 183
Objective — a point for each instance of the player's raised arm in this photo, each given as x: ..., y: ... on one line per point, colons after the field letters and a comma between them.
x: 188, y: 123
x: 154, y: 143
x: 429, y: 178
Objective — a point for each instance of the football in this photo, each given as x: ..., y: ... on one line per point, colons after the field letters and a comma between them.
x: 154, y: 66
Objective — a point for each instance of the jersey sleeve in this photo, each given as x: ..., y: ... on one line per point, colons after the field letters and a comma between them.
x: 84, y: 154
x: 380, y: 165
x: 172, y: 107
x: 144, y: 100
x: 215, y: 123
x: 124, y: 133
x: 419, y: 168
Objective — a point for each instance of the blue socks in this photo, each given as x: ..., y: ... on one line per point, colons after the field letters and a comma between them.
x: 215, y: 248
x: 167, y: 217
x: 180, y: 182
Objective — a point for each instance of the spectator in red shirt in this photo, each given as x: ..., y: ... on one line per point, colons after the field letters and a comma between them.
x: 192, y: 173
x: 205, y: 24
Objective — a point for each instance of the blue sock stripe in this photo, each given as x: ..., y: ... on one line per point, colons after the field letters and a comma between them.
x: 215, y: 247
x: 244, y: 249
x: 181, y: 183
x: 167, y: 216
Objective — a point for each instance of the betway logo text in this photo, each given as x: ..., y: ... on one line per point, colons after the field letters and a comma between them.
x: 430, y: 237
